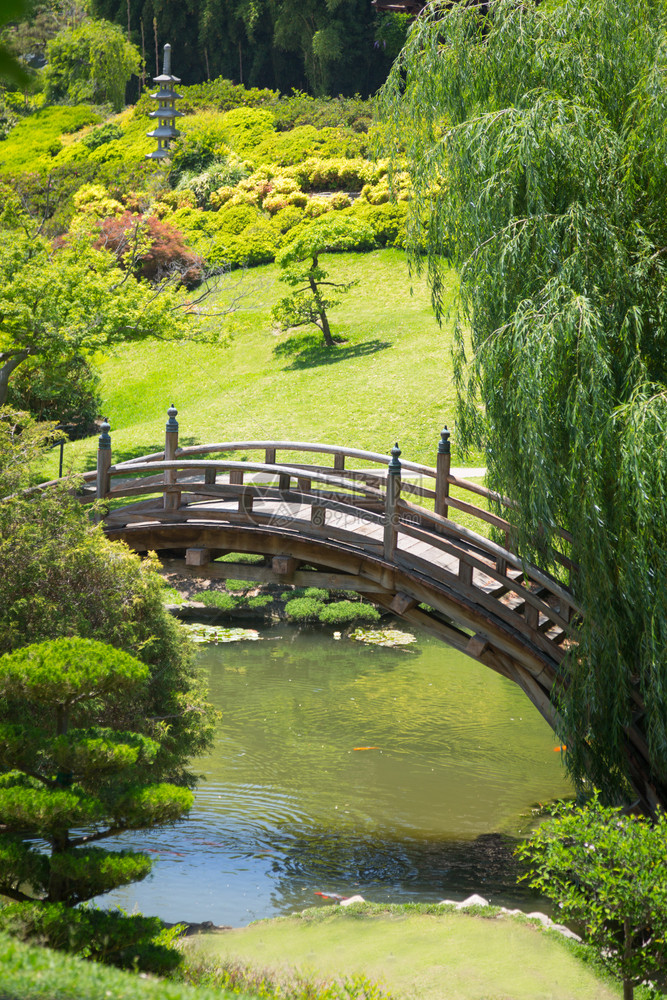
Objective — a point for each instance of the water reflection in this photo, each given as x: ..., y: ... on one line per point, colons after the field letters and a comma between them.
x: 291, y: 806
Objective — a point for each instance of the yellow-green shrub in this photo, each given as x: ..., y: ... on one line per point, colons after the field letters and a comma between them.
x: 315, y: 207
x: 96, y: 202
x: 335, y: 174
x: 34, y: 143
x: 245, y: 128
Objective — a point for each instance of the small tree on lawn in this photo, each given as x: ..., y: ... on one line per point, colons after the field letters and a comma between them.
x: 79, y: 762
x: 607, y: 872
x: 313, y: 294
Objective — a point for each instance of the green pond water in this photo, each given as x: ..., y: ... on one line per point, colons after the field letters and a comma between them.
x: 290, y: 807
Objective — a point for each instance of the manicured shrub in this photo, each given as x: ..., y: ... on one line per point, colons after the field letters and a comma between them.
x: 333, y: 174
x: 340, y: 200
x: 245, y: 128
x: 101, y: 135
x: 201, y: 144
x: 387, y: 221
x: 260, y: 601
x: 218, y: 599
x: 287, y: 218
x: 344, y: 612
x: 285, y: 148
x: 242, y: 585
x: 318, y: 593
x: 315, y: 207
x: 151, y: 248
x: 303, y: 609
x: 302, y: 109
x: 94, y: 200
x: 115, y: 938
x: 234, y: 219
x: 222, y: 172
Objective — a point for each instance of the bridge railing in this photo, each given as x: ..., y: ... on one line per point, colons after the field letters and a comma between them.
x: 382, y: 508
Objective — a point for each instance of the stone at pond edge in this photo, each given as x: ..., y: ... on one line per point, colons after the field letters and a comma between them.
x: 473, y: 900
x: 352, y: 899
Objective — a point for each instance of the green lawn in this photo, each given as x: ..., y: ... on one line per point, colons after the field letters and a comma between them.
x: 390, y: 381
x: 417, y: 955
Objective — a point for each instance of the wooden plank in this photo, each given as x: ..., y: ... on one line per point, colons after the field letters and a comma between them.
x: 494, y: 608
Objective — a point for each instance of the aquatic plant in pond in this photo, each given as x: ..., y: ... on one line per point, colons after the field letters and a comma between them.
x: 215, y: 633
x: 383, y: 637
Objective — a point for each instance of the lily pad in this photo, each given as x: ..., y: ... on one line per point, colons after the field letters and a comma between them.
x: 383, y: 636
x: 216, y: 633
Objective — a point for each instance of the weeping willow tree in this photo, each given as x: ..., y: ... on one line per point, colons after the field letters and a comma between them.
x: 536, y: 138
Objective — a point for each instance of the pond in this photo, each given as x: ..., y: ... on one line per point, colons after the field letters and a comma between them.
x: 402, y: 774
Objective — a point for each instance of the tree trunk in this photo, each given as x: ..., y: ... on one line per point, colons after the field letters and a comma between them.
x: 628, y: 989
x: 326, y: 331
x: 11, y: 362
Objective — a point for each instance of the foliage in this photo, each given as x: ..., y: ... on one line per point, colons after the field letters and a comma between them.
x: 383, y: 637
x: 35, y: 973
x: 32, y: 142
x: 227, y: 171
x: 606, y: 871
x: 113, y: 937
x: 303, y: 609
x: 92, y: 62
x: 344, y: 612
x: 66, y: 391
x: 300, y: 108
x: 62, y: 577
x: 101, y: 135
x: 303, y: 141
x: 318, y: 174
x: 78, y: 754
x: 219, y: 599
x: 537, y: 149
x: 215, y: 634
x: 245, y: 128
x: 300, y: 264
x: 328, y: 46
x: 241, y: 979
x: 11, y: 69
x: 95, y: 201
x: 152, y: 249
x: 64, y: 302
x: 23, y: 442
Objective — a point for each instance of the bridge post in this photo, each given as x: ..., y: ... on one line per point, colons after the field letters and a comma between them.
x: 442, y: 468
x: 392, y: 498
x: 103, y: 460
x: 171, y: 501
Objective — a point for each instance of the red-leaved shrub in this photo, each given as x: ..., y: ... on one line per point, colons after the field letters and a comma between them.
x: 152, y: 249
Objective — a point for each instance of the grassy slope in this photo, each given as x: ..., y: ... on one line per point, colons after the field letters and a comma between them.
x: 418, y: 956
x: 33, y: 973
x: 391, y: 380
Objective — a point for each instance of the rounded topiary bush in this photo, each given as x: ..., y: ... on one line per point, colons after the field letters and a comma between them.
x: 303, y: 609
x: 219, y: 599
x: 345, y: 612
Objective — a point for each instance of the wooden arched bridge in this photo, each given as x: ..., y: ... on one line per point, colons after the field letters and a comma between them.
x: 346, y: 519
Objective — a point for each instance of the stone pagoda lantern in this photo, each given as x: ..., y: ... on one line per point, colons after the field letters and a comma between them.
x: 166, y: 112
